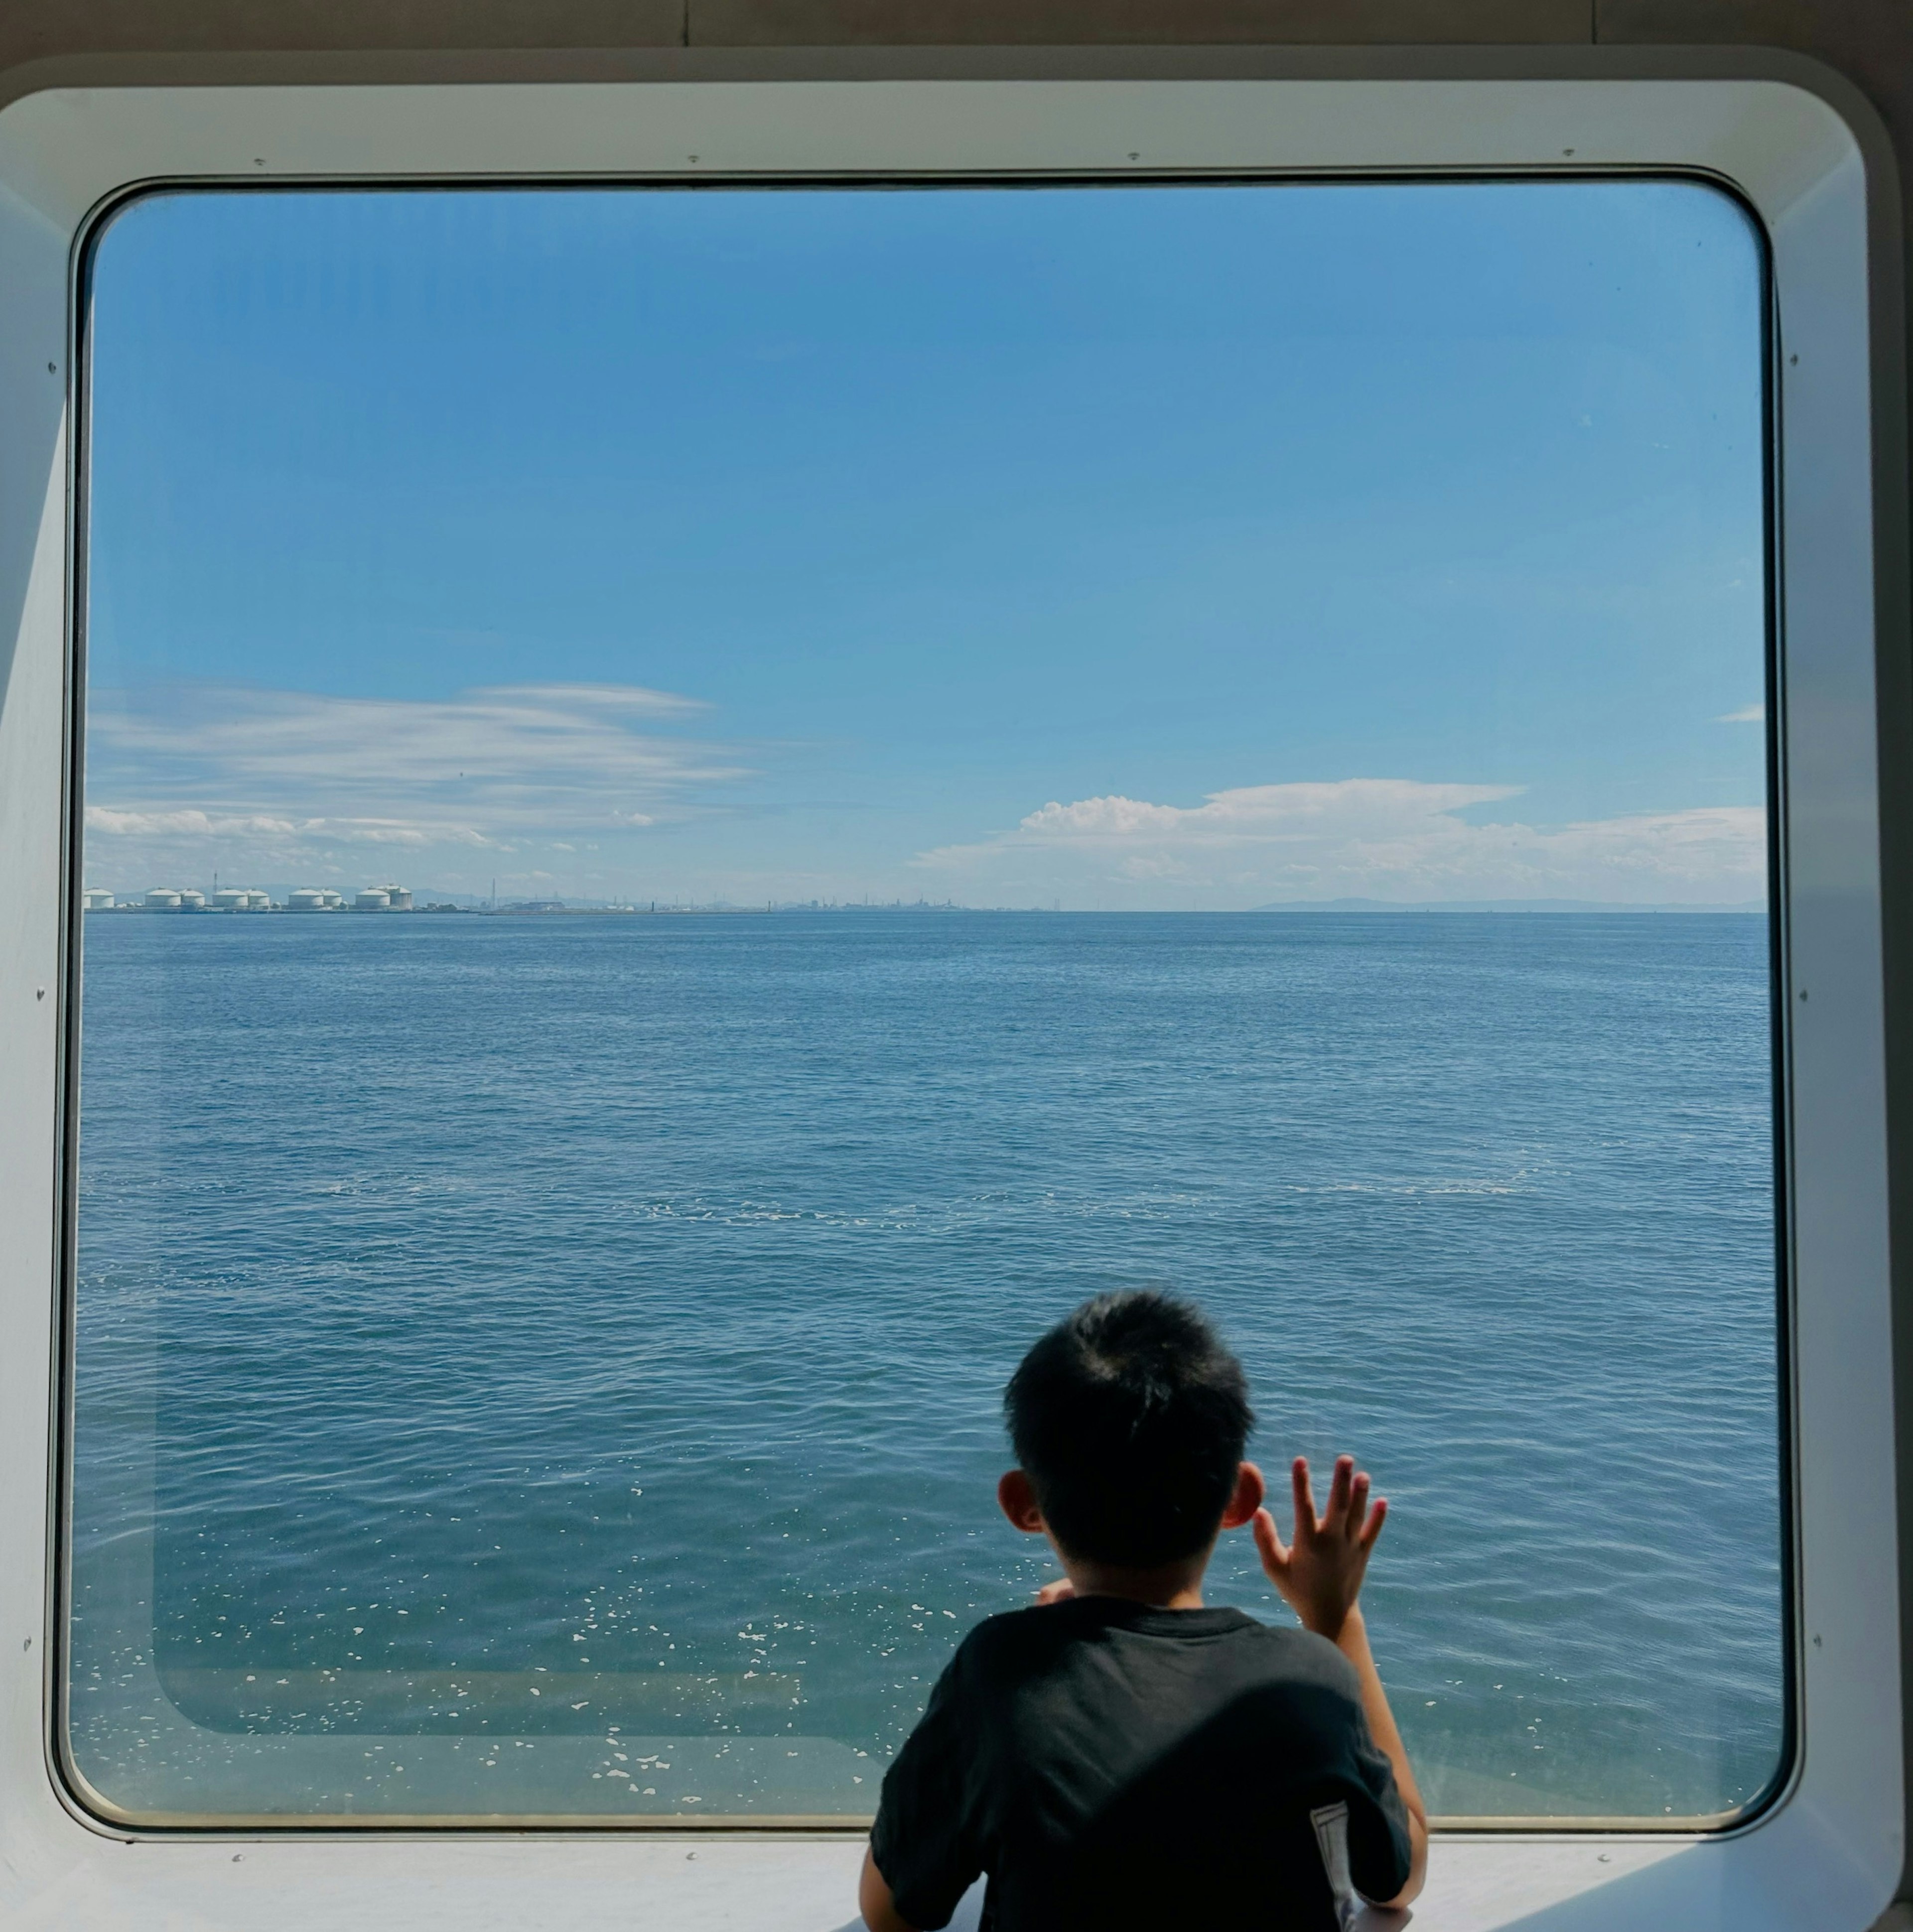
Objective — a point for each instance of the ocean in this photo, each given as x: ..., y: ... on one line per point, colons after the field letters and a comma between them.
x: 551, y: 1365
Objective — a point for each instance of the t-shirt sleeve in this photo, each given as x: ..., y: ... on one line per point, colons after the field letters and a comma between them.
x: 923, y: 1840
x: 1381, y: 1852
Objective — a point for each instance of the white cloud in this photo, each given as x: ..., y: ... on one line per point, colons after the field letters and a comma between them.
x: 1748, y: 714
x: 1258, y: 814
x: 540, y: 749
x: 287, y: 782
x: 1390, y: 838
x: 190, y: 824
x: 290, y: 787
x: 633, y: 698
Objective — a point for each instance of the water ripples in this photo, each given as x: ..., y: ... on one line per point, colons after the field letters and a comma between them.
x: 628, y: 1304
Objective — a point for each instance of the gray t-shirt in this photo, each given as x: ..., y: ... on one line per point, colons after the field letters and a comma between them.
x: 1113, y: 1765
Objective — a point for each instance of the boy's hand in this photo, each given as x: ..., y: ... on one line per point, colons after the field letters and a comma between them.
x: 1319, y: 1576
x: 1060, y: 1591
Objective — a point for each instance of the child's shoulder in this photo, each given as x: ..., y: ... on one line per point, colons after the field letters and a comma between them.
x: 1025, y: 1639
x: 1017, y: 1669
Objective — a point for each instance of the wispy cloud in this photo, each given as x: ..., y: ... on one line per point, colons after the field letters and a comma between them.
x: 105, y: 821
x: 582, y: 779
x: 537, y: 749
x: 1748, y: 714
x: 190, y: 824
x: 284, y: 779
x: 1380, y: 838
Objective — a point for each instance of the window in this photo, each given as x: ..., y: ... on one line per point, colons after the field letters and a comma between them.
x: 703, y: 807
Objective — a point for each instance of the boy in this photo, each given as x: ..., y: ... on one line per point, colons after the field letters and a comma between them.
x: 1119, y: 1756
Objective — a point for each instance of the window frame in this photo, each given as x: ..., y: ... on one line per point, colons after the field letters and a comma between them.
x: 1808, y: 167
x: 86, y: 245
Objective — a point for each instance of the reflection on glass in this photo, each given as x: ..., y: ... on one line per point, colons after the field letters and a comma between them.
x: 705, y: 808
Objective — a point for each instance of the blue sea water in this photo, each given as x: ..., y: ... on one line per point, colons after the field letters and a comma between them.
x: 551, y: 1364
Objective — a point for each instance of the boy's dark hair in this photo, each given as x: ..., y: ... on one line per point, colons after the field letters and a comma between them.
x: 1130, y: 1418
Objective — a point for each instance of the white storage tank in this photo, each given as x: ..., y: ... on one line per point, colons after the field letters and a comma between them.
x: 258, y: 901
x: 230, y: 898
x: 192, y: 902
x: 307, y: 898
x: 97, y: 900
x: 330, y: 900
x: 399, y: 897
x: 372, y: 900
x: 162, y: 898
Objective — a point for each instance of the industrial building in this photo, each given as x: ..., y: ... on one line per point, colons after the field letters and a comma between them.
x: 172, y: 898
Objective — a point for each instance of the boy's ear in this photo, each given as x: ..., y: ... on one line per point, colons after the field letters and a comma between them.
x: 1249, y: 1492
x: 1017, y: 1495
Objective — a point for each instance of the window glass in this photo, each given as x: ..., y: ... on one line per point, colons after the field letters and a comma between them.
x: 703, y: 807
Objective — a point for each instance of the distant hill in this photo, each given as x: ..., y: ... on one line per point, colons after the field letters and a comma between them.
x: 1496, y: 905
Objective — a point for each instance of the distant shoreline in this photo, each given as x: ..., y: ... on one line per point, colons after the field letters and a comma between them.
x: 1506, y: 905
x: 1556, y: 908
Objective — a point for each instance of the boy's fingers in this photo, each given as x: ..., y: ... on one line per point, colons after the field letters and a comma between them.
x: 1373, y: 1528
x: 1338, y: 1486
x: 1267, y: 1538
x: 1358, y: 1504
x: 1305, y: 1521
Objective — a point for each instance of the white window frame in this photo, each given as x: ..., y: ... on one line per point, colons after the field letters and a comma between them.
x: 1812, y: 165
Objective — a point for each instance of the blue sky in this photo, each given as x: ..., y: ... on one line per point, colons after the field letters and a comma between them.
x: 1172, y: 547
